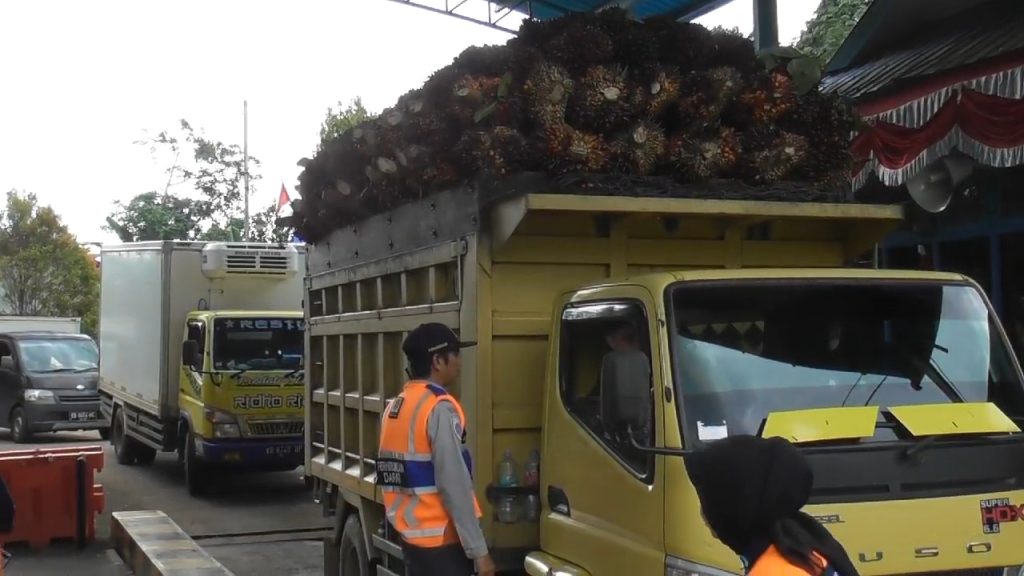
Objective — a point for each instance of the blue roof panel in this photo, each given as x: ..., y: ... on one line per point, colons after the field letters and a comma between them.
x: 680, y: 9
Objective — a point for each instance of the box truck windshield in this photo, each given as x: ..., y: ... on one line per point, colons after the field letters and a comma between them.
x: 742, y: 352
x: 256, y: 343
x: 58, y: 355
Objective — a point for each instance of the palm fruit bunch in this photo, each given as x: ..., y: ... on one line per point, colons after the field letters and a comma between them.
x: 588, y: 93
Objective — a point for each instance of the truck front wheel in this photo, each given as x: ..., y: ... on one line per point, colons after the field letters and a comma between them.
x: 354, y: 561
x: 195, y: 469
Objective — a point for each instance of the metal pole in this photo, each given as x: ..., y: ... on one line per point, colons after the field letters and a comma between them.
x: 766, y: 24
x: 245, y: 163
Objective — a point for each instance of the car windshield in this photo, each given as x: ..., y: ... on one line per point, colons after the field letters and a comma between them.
x: 257, y: 344
x: 742, y: 352
x: 58, y: 355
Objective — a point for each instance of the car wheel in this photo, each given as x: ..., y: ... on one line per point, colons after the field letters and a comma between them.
x: 20, y: 426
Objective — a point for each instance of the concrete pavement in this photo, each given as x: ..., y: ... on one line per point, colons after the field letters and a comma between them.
x: 240, y: 504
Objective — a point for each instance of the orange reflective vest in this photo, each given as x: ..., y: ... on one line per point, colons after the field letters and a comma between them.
x: 772, y: 563
x: 405, y: 470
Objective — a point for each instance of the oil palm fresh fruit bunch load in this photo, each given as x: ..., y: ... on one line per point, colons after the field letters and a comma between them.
x: 706, y: 95
x: 499, y: 151
x: 566, y: 149
x: 707, y: 156
x: 604, y: 100
x: 546, y: 91
x: 599, y: 93
x: 640, y: 149
x: 771, y: 155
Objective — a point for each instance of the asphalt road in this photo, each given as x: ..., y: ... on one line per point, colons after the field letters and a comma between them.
x: 240, y: 504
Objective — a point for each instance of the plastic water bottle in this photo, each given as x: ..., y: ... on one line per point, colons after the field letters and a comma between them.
x: 531, y: 504
x: 507, y: 471
x: 508, y: 509
x: 531, y: 475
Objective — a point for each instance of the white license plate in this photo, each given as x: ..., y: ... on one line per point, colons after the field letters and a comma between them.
x: 81, y: 416
x: 282, y: 450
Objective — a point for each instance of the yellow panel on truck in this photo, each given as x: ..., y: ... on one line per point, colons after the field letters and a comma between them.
x: 732, y: 309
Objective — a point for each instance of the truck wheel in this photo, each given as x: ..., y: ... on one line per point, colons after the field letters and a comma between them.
x: 19, y: 426
x: 104, y: 433
x: 124, y: 447
x: 195, y: 470
x: 354, y: 561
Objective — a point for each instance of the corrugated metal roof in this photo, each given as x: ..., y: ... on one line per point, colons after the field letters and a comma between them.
x: 681, y: 9
x: 983, y: 36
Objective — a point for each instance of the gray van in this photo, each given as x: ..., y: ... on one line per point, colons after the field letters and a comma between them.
x: 49, y: 382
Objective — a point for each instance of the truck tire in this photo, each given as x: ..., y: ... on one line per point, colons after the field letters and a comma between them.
x: 195, y: 471
x: 124, y: 445
x: 104, y: 433
x: 19, y: 426
x: 353, y: 558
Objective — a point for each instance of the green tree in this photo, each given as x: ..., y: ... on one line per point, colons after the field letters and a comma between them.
x: 155, y: 216
x: 215, y: 211
x: 831, y: 24
x: 346, y: 117
x: 43, y: 269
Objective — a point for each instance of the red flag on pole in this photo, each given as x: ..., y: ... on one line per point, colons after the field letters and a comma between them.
x: 283, y: 199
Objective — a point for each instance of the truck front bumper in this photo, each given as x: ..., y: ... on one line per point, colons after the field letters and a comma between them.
x: 62, y: 415
x: 279, y: 453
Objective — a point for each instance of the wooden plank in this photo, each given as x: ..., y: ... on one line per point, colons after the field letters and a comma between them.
x: 739, y: 208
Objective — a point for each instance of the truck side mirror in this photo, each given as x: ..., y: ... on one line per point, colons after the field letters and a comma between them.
x: 190, y: 353
x: 7, y: 363
x: 626, y: 390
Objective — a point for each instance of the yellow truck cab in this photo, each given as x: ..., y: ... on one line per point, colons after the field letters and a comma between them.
x: 617, y: 333
x: 202, y: 354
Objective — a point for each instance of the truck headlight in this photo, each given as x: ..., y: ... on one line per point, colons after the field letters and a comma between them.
x: 39, y: 396
x: 1014, y: 571
x: 679, y: 567
x: 225, y: 425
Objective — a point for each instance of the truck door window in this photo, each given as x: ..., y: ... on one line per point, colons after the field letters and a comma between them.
x: 605, y: 352
x: 197, y: 333
x: 6, y: 357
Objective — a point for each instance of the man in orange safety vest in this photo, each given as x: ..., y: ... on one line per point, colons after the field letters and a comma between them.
x: 424, y: 468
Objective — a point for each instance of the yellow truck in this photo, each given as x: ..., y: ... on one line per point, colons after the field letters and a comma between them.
x: 201, y: 352
x: 748, y: 318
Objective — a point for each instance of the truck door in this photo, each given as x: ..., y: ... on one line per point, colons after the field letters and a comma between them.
x: 605, y: 498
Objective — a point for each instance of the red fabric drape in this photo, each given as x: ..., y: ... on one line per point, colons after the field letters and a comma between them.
x: 991, y: 120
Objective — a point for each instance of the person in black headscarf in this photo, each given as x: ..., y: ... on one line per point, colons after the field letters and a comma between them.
x: 751, y: 490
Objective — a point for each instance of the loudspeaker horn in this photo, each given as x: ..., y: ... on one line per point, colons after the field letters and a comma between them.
x: 932, y: 188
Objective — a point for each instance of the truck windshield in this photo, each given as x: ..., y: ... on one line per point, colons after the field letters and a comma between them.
x: 741, y: 352
x: 257, y: 344
x: 58, y: 355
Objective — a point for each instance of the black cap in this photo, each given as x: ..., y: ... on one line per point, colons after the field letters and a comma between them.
x: 432, y: 338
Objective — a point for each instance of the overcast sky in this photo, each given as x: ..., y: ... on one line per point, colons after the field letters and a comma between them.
x: 80, y: 81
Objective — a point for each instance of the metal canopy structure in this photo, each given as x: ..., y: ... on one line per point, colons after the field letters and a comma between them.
x: 505, y: 14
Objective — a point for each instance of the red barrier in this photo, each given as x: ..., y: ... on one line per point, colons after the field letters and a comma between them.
x: 55, y: 494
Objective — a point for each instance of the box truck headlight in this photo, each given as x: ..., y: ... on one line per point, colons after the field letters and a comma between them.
x: 679, y: 567
x: 39, y: 396
x: 224, y: 425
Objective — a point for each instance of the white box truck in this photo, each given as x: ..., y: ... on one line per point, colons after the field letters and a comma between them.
x: 15, y: 324
x: 203, y: 354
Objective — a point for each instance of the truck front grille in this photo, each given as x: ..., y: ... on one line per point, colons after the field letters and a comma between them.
x: 276, y: 428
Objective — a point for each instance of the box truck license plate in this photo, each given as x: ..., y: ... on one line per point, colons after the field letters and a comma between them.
x: 81, y: 416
